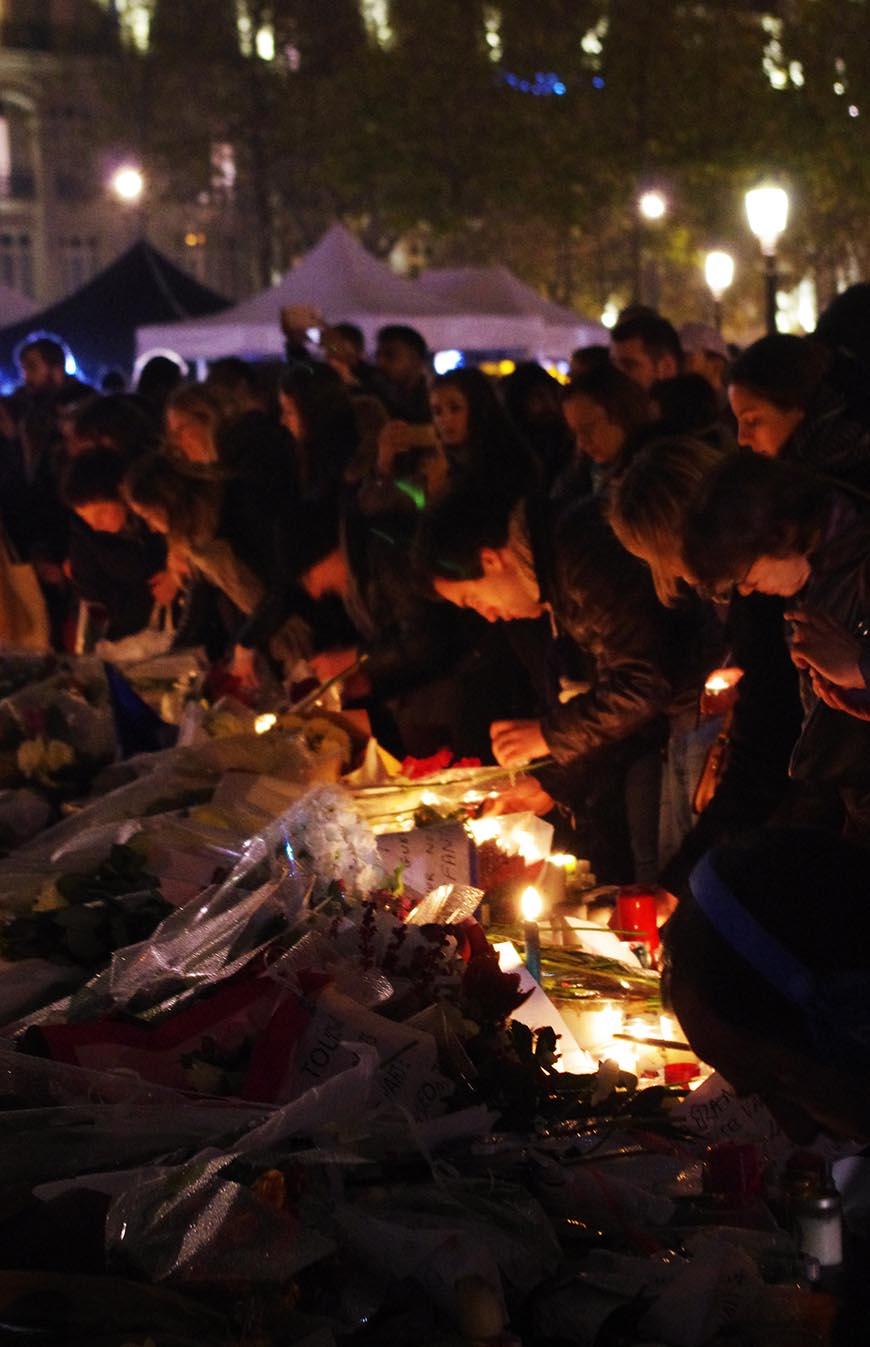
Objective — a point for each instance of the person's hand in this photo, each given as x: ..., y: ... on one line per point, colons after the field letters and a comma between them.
x: 243, y: 667
x: 820, y: 644
x: 393, y: 438
x: 517, y: 742
x: 526, y: 796
x: 164, y: 587
x: 331, y: 663
x: 666, y: 904
x: 836, y: 697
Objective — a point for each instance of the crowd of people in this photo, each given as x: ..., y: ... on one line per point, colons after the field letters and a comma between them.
x: 532, y: 572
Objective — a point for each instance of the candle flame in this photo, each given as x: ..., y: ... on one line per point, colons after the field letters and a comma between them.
x: 531, y: 904
x: 484, y: 829
x: 265, y: 722
x: 721, y: 680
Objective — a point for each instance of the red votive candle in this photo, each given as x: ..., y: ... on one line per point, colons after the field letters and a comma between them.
x: 680, y: 1073
x: 733, y: 1169
x: 635, y: 917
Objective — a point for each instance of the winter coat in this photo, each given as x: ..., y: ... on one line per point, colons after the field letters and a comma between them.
x: 609, y: 622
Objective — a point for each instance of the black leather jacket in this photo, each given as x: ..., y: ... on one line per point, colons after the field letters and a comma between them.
x: 602, y: 600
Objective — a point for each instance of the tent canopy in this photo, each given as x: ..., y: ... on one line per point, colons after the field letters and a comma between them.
x: 495, y: 292
x: 338, y: 277
x: 98, y: 321
x: 470, y: 309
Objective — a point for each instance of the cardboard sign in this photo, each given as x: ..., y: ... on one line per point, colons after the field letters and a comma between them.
x: 441, y: 854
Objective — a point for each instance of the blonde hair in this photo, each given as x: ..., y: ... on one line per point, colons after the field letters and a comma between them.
x: 651, y: 500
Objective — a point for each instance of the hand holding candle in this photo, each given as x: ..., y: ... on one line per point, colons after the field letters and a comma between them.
x: 720, y: 691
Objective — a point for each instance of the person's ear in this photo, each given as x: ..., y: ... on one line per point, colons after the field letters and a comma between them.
x: 491, y: 560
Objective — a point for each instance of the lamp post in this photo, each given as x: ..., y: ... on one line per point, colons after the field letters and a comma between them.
x: 719, y: 273
x: 652, y: 207
x: 127, y: 185
x: 767, y: 212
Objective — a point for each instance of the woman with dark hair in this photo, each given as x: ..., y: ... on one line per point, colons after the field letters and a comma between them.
x: 477, y: 438
x: 317, y: 410
x: 768, y: 993
x: 786, y: 406
x: 230, y: 538
x: 113, y: 560
x: 767, y: 527
x: 533, y: 399
x: 603, y: 410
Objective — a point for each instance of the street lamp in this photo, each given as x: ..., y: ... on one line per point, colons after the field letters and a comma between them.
x: 128, y: 184
x: 653, y: 205
x: 767, y: 212
x: 719, y: 273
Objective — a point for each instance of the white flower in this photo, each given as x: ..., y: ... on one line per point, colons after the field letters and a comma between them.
x: 324, y: 827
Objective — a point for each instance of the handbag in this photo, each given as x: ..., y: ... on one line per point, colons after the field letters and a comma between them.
x: 23, y: 615
x: 153, y: 640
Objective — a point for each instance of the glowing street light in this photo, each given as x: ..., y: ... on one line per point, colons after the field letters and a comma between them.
x: 719, y: 273
x: 653, y: 205
x: 128, y: 183
x: 767, y: 212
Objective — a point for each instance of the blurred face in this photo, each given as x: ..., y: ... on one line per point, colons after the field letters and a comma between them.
x: 499, y: 594
x: 785, y: 576
x: 761, y: 426
x: 595, y: 435
x: 803, y: 1094
x: 103, y: 516
x: 290, y: 417
x: 398, y: 363
x: 190, y: 437
x: 38, y: 374
x: 634, y: 359
x: 449, y: 415
x: 711, y: 367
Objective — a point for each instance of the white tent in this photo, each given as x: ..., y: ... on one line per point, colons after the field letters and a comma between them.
x: 338, y: 277
x: 14, y: 306
x: 484, y: 309
x: 494, y: 294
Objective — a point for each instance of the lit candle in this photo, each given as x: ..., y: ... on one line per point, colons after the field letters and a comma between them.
x: 531, y: 907
x: 265, y: 723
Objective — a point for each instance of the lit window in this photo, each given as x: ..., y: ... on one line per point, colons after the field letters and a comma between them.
x: 265, y: 42
x: 592, y: 43
x: 376, y: 17
x: 492, y: 26
x: 135, y: 21
x: 245, y: 29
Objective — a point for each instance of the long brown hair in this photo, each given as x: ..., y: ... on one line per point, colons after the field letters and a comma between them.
x: 189, y: 496
x: 650, y: 504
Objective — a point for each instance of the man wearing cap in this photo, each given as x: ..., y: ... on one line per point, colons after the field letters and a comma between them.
x: 705, y: 352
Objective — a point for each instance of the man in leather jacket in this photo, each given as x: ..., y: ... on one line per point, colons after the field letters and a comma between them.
x: 605, y: 682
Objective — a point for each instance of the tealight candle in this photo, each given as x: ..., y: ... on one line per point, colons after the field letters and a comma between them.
x: 531, y: 908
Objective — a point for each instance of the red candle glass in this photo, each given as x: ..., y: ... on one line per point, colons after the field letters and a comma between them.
x: 635, y: 917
